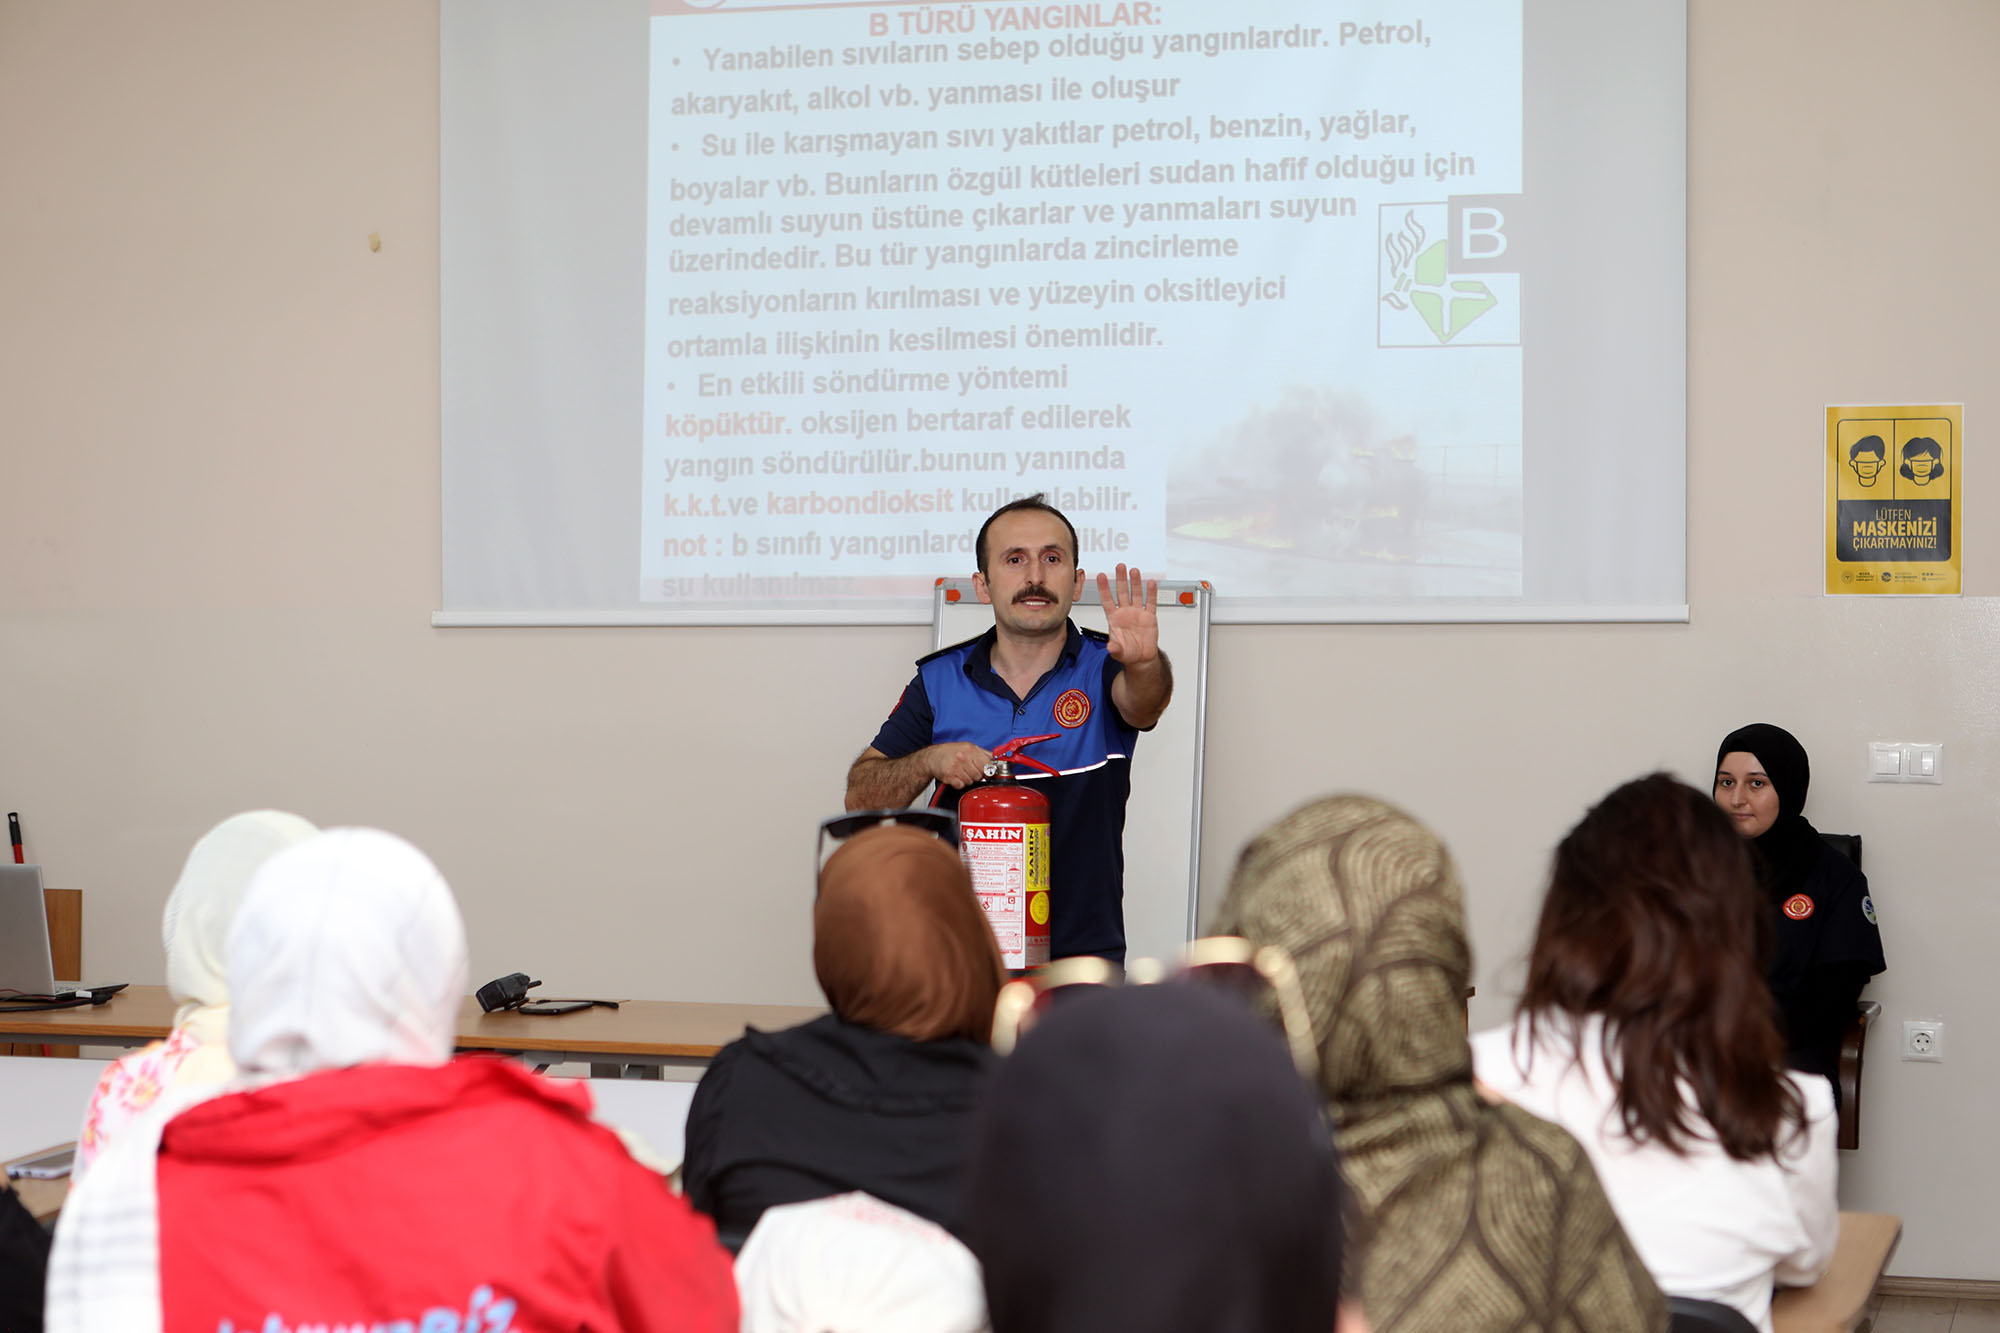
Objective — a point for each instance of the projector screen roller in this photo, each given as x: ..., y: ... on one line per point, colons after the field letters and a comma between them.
x: 754, y: 311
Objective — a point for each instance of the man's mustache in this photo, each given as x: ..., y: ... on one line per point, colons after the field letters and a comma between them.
x: 1027, y: 593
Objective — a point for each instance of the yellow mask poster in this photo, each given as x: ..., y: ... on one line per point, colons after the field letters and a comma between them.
x: 1892, y: 499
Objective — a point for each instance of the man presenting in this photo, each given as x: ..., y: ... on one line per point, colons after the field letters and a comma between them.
x: 1032, y: 674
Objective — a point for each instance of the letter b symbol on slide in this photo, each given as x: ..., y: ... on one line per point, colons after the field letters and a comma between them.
x: 1479, y: 233
x: 1481, y: 240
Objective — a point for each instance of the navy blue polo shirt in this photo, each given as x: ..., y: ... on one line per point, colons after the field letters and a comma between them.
x: 956, y: 696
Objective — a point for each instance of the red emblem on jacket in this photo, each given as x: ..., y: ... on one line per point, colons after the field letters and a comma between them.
x: 1073, y: 709
x: 1798, y: 907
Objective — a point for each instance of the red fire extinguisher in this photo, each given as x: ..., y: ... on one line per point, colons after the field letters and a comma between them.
x: 1004, y: 832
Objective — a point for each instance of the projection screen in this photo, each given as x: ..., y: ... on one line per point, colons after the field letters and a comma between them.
x: 752, y: 311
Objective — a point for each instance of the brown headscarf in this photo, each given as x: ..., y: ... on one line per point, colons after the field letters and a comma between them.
x: 899, y: 942
x: 1470, y: 1217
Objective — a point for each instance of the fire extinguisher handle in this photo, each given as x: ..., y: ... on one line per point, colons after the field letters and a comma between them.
x: 1010, y: 752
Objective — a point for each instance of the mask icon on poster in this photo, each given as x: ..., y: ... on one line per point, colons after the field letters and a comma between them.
x: 1866, y: 458
x: 1923, y: 461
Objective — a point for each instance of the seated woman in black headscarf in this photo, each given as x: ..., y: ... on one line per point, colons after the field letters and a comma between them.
x: 877, y: 1096
x: 1150, y: 1159
x: 1827, y: 941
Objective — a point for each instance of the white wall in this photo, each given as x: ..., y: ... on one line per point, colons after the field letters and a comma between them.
x: 219, y: 550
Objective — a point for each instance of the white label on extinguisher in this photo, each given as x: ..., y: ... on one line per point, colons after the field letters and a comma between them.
x: 997, y: 855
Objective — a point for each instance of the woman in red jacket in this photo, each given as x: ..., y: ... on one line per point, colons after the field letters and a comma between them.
x: 356, y: 1176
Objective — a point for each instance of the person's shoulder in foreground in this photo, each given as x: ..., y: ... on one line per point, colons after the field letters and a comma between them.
x: 850, y: 1261
x: 1597, y: 1280
x: 418, y: 1171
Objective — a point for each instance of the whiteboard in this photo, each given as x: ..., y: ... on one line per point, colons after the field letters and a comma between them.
x: 1163, y: 815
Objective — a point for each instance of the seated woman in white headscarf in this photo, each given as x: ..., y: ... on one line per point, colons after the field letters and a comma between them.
x: 196, y: 924
x: 359, y: 1176
x: 851, y: 1263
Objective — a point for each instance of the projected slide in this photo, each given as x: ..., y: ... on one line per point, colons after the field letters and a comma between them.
x: 1232, y: 283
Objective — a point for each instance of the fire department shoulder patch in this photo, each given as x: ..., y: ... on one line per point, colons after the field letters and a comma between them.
x: 1073, y: 709
x: 1798, y: 907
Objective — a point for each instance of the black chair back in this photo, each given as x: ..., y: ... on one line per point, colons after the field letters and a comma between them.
x: 1688, y: 1315
x: 1847, y: 844
x: 1854, y: 1041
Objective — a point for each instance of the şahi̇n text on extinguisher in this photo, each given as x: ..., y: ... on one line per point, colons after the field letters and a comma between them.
x: 1004, y: 832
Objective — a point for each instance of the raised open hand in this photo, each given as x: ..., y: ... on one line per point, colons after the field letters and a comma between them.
x: 1131, y: 615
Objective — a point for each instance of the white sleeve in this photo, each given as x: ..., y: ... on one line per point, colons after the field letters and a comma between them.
x: 1493, y: 1061
x: 1810, y: 1163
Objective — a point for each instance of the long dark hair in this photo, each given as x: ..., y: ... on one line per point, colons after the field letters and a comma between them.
x: 1653, y: 920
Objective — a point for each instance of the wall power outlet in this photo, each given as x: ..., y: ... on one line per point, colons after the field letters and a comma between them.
x: 1923, y: 1039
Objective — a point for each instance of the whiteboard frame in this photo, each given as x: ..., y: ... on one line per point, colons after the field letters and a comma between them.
x: 957, y: 614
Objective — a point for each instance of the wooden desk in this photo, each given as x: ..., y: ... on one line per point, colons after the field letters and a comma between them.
x: 133, y: 1017
x: 42, y: 1198
x: 642, y: 1034
x: 1838, y: 1302
x: 639, y: 1034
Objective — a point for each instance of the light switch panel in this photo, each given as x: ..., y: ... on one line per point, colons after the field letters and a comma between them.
x: 1903, y: 761
x: 1923, y: 763
x: 1885, y: 761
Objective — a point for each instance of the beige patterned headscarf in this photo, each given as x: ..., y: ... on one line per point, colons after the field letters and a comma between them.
x: 1470, y: 1218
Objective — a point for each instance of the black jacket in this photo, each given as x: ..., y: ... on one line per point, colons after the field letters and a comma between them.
x: 828, y: 1107
x: 24, y: 1257
x: 1828, y: 946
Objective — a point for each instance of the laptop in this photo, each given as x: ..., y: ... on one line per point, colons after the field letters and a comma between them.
x: 27, y: 969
